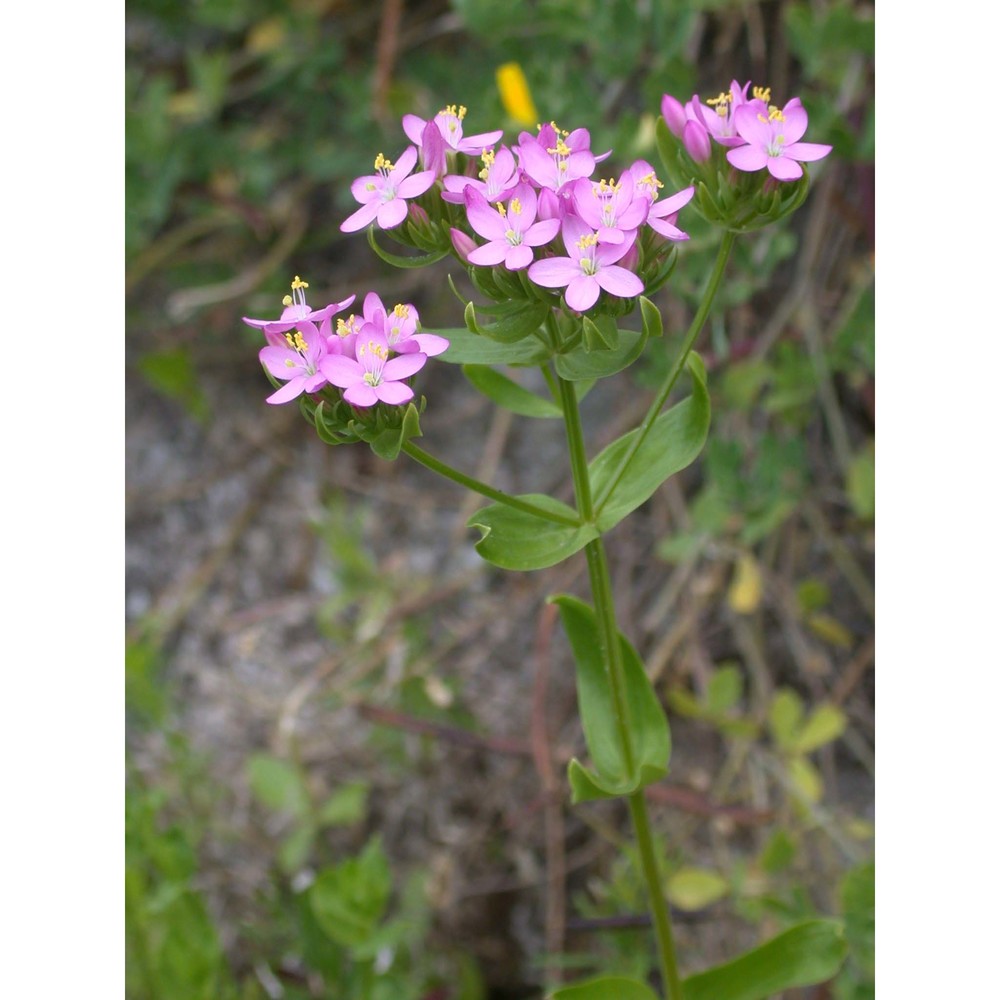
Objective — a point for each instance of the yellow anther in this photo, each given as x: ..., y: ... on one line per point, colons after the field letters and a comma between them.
x: 381, y: 163
x: 725, y: 97
x: 775, y: 114
x: 586, y: 242
x: 501, y: 210
x: 403, y: 312
x: 651, y: 181
x: 454, y: 112
x: 608, y: 187
x: 297, y: 343
x: 345, y: 329
x: 488, y: 157
x: 299, y: 283
x: 287, y: 300
x: 515, y: 206
x: 762, y: 94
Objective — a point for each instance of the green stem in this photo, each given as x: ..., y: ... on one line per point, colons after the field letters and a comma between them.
x: 714, y: 280
x: 443, y: 469
x: 604, y: 609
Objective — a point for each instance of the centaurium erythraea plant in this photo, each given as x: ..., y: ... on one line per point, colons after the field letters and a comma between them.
x: 565, y: 256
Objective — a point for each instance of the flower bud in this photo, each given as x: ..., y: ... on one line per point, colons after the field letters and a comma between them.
x: 697, y: 141
x: 673, y: 114
x: 418, y: 216
x: 463, y: 245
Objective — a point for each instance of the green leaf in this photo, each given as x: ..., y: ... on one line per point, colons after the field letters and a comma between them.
x: 784, y: 715
x: 295, y: 848
x: 173, y: 373
x: 582, y: 363
x: 652, y: 321
x: 647, y: 723
x: 724, y: 690
x: 508, y: 394
x: 515, y: 539
x: 349, y: 900
x: 695, y: 888
x: 346, y: 805
x: 278, y: 785
x: 515, y: 321
x: 387, y: 444
x: 808, y: 953
x: 605, y: 988
x: 600, y: 333
x: 674, y: 441
x: 467, y: 348
x: 861, y: 483
x: 824, y: 725
x: 390, y: 258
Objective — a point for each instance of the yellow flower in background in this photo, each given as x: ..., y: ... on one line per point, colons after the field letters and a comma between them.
x: 515, y: 94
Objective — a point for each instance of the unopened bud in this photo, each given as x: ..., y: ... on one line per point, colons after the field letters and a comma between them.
x: 673, y: 114
x: 463, y: 244
x: 697, y: 141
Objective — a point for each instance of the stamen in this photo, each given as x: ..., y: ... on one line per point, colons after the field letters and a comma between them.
x: 383, y: 166
x: 762, y: 94
x: 515, y: 206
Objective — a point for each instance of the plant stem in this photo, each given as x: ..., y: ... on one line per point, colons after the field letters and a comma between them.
x: 443, y: 469
x: 604, y: 609
x: 714, y: 280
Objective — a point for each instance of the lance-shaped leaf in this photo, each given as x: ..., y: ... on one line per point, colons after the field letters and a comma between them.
x: 808, y: 953
x: 514, y: 321
x: 583, y: 363
x: 518, y: 539
x: 613, y: 774
x: 507, y: 393
x: 605, y: 988
x: 407, y: 262
x: 674, y: 441
x: 467, y: 348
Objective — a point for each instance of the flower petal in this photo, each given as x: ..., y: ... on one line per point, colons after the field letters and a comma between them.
x: 288, y: 391
x: 783, y: 168
x: 361, y: 394
x: 582, y: 292
x: 619, y: 281
x: 554, y: 272
x: 393, y: 393
x: 391, y: 214
x: 518, y: 258
x: 403, y: 366
x: 341, y: 371
x: 361, y: 218
x: 749, y: 158
x: 806, y: 152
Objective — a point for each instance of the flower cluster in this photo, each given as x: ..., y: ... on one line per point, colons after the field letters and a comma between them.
x: 536, y: 215
x: 535, y: 205
x: 369, y: 357
x: 754, y: 133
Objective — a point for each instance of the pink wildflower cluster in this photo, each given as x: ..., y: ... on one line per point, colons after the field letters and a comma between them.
x: 534, y: 204
x: 755, y: 133
x: 369, y: 357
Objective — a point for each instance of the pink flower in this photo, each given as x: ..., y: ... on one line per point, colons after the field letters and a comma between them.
x: 399, y: 328
x: 297, y: 309
x: 449, y: 125
x: 612, y: 209
x: 589, y: 267
x: 498, y: 178
x: 557, y: 157
x: 772, y: 139
x: 511, y: 230
x: 719, y: 117
x: 662, y: 214
x: 382, y: 194
x: 373, y: 376
x: 295, y: 359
